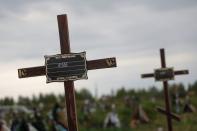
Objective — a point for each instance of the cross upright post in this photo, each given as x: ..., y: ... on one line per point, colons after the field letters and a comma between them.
x: 68, y: 63
x: 166, y: 92
x: 165, y: 74
x: 68, y: 85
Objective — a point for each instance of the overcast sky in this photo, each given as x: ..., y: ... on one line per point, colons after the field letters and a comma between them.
x: 131, y: 30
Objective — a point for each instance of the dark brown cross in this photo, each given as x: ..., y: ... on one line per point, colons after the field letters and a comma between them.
x: 68, y: 85
x: 164, y: 74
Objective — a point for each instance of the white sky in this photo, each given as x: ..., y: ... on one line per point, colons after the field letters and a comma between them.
x: 131, y: 30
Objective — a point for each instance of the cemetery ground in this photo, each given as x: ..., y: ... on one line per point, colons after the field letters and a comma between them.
x: 188, y: 122
x: 149, y: 99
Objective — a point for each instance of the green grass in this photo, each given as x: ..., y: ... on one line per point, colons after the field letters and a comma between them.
x: 188, y: 120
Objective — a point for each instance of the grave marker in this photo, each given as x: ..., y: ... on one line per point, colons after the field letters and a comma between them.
x: 165, y: 74
x: 64, y: 61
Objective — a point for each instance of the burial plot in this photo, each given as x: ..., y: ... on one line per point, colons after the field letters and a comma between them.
x: 188, y: 107
x: 112, y: 120
x: 139, y: 116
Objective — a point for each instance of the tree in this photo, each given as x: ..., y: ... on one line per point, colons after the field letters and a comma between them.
x: 84, y: 94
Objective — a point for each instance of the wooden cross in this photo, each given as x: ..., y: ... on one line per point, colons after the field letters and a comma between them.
x: 164, y: 74
x: 68, y: 85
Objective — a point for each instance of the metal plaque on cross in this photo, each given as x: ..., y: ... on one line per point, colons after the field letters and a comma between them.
x: 164, y: 74
x: 66, y: 67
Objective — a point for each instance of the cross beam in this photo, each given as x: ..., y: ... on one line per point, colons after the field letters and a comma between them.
x: 68, y: 85
x: 167, y: 111
x: 172, y: 115
x: 178, y: 72
x: 91, y: 65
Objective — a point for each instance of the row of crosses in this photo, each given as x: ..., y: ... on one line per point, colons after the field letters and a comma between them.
x: 68, y: 67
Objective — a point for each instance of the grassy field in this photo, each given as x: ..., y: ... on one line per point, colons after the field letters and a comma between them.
x: 188, y: 120
x: 188, y: 123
